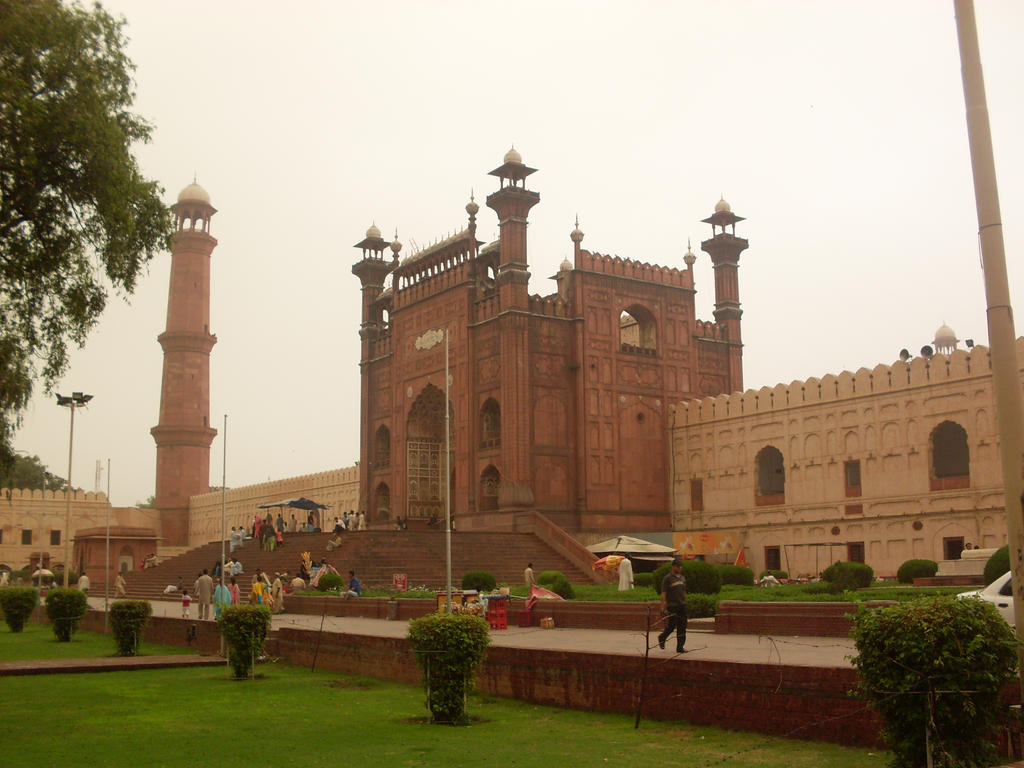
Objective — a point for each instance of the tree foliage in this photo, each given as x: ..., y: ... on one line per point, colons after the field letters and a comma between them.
x: 17, y: 604
x: 997, y: 564
x: 65, y: 608
x: 77, y: 218
x: 128, y: 619
x: 29, y: 473
x: 450, y: 648
x: 245, y: 628
x: 936, y: 664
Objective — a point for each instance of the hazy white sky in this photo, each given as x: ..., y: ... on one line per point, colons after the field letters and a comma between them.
x: 837, y: 129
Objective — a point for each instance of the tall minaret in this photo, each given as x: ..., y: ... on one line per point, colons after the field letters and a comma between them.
x: 184, y: 434
x: 725, y: 249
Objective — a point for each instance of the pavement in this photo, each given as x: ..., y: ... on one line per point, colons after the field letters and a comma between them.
x: 702, y: 644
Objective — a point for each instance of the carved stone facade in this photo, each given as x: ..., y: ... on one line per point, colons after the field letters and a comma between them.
x: 880, y: 466
x: 558, y: 403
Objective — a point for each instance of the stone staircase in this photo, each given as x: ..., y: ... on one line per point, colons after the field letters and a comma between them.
x: 375, y: 556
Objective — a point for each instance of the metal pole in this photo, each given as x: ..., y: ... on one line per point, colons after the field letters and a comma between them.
x: 223, y: 500
x: 1001, y: 334
x: 106, y: 564
x: 447, y: 474
x: 67, y: 498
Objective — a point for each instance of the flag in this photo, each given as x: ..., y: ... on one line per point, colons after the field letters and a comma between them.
x: 741, y: 557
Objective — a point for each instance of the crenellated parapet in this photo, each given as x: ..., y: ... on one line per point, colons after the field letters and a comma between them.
x: 33, y: 494
x: 918, y: 372
x: 708, y: 329
x: 329, y: 477
x: 549, y: 306
x: 440, y: 258
x: 635, y: 270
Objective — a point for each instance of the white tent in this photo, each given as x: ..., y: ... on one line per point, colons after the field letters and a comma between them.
x: 630, y: 545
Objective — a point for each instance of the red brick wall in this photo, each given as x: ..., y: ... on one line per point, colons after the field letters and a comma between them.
x: 809, y: 619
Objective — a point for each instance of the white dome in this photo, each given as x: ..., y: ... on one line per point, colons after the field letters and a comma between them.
x: 722, y: 207
x: 566, y: 266
x: 373, y: 232
x: 945, y: 337
x: 513, y: 157
x: 194, y: 193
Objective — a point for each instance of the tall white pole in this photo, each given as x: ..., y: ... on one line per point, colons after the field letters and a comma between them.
x: 1001, y: 334
x: 106, y: 564
x: 67, y: 498
x: 223, y: 500
x: 447, y: 474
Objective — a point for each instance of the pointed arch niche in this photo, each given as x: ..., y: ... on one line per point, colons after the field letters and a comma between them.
x: 638, y: 334
x: 424, y: 449
x: 490, y: 481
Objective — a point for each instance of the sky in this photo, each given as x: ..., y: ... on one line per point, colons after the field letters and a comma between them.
x: 836, y: 129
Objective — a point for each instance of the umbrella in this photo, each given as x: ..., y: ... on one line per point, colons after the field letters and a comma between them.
x: 299, y: 503
x: 630, y: 545
x: 608, y: 563
x: 42, y: 572
x: 539, y: 593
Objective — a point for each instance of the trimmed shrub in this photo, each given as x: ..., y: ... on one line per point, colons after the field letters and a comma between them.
x: 65, y: 608
x: 643, y: 579
x: 17, y: 604
x: 450, y: 648
x: 998, y: 564
x: 950, y: 660
x: 701, y: 577
x: 481, y: 581
x: 846, y: 577
x: 736, y: 574
x: 916, y: 569
x: 330, y: 582
x: 128, y: 619
x: 244, y: 627
x: 776, y: 573
x: 700, y: 606
x: 557, y: 583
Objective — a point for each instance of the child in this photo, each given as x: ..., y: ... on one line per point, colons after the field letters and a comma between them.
x: 186, y: 601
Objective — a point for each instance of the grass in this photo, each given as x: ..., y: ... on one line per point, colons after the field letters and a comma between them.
x: 291, y: 717
x: 36, y: 641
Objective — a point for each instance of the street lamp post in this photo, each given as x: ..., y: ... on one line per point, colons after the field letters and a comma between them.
x: 72, y: 401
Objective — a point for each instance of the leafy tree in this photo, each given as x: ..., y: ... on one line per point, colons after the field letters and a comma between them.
x: 77, y: 218
x: 450, y: 648
x: 29, y: 473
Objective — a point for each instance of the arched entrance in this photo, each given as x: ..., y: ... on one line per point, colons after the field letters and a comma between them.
x: 425, y: 454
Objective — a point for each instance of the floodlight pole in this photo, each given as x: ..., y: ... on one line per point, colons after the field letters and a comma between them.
x: 223, y: 500
x: 1002, y: 337
x: 447, y: 474
x: 106, y: 563
x: 72, y: 401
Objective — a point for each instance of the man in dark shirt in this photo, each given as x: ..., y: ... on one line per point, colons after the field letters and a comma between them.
x: 673, y: 606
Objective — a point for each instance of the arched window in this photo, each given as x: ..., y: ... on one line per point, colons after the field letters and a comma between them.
x: 382, y: 503
x: 771, y: 477
x: 490, y: 424
x: 490, y: 480
x: 637, y: 332
x: 951, y: 460
x: 382, y: 445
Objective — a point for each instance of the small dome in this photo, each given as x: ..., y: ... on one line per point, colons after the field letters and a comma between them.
x: 577, y: 234
x: 472, y: 207
x: 566, y: 266
x: 194, y: 193
x: 513, y: 157
x: 945, y: 337
x: 688, y: 257
x: 373, y: 232
x: 722, y: 207
x: 396, y: 246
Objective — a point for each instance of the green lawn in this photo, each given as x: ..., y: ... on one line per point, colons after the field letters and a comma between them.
x: 36, y: 641
x: 291, y: 717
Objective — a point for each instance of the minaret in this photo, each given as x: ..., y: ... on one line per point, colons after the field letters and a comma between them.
x: 725, y: 249
x: 371, y: 270
x: 184, y: 434
x: 512, y: 202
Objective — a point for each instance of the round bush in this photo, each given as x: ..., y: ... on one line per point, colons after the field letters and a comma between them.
x: 450, y: 648
x: 700, y: 606
x: 330, y: 582
x: 643, y: 579
x: 950, y: 658
x: 846, y: 577
x: 997, y: 565
x: 128, y: 619
x: 916, y: 569
x: 780, y: 575
x: 701, y: 577
x: 244, y: 627
x: 557, y: 583
x: 736, y: 574
x: 17, y: 604
x: 65, y: 608
x: 481, y: 581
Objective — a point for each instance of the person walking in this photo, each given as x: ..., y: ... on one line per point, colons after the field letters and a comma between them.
x: 83, y: 583
x: 186, y: 602
x: 234, y: 592
x: 203, y: 590
x: 625, y: 574
x: 221, y: 599
x: 528, y: 576
x: 120, y: 587
x: 277, y: 594
x: 673, y: 606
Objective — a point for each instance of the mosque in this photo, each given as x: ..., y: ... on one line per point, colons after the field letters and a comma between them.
x: 604, y: 407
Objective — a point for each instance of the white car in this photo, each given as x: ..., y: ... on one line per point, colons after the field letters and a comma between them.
x: 999, y: 593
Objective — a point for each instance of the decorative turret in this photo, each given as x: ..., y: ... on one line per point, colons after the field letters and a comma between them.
x: 371, y: 270
x: 183, y: 434
x: 512, y: 202
x: 725, y: 249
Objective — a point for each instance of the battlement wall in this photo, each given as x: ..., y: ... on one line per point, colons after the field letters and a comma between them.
x: 636, y: 270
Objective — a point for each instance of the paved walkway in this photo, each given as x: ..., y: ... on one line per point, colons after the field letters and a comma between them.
x: 702, y: 644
